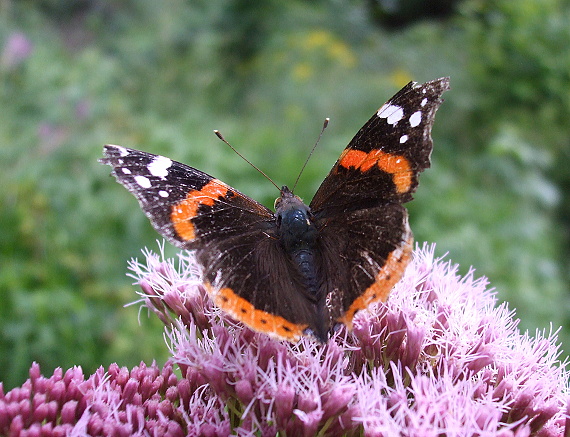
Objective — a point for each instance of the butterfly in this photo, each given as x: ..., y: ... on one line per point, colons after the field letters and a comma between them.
x: 302, y: 269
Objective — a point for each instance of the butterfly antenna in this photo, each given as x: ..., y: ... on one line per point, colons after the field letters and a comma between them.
x: 221, y: 137
x: 325, y: 124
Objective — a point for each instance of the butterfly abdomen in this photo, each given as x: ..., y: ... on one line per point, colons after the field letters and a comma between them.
x: 304, y: 260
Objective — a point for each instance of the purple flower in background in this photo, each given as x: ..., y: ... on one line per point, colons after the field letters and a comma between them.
x: 51, y: 137
x: 439, y: 358
x: 16, y: 50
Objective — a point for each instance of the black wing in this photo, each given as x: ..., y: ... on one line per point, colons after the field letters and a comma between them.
x: 358, y: 208
x: 244, y: 268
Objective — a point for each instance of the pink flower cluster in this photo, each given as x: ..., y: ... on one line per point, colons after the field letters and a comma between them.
x: 118, y: 402
x: 16, y: 50
x: 439, y: 358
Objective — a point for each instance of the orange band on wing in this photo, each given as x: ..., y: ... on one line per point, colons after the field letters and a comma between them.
x: 352, y: 158
x: 387, y: 277
x: 258, y: 320
x: 183, y: 212
x: 398, y: 166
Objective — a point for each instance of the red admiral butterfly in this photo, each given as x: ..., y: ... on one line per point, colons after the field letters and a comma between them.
x: 303, y: 268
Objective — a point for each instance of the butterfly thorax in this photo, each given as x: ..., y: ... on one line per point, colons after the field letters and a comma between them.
x: 294, y: 221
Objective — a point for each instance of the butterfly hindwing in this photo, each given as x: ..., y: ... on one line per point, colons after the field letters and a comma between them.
x: 251, y: 278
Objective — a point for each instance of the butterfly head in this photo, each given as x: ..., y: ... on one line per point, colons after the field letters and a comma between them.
x: 287, y: 199
x: 294, y: 218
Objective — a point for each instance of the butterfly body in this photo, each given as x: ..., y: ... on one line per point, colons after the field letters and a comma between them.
x: 303, y: 268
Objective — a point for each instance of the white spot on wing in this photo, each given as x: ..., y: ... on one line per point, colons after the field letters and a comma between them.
x: 424, y: 101
x: 163, y: 193
x: 392, y: 113
x: 126, y: 171
x: 122, y: 151
x: 143, y: 181
x: 403, y: 139
x: 415, y: 118
x: 159, y: 166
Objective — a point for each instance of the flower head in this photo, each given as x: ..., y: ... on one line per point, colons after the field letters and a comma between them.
x: 16, y: 50
x: 439, y: 358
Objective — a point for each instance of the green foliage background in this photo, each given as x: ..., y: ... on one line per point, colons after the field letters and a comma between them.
x: 160, y: 76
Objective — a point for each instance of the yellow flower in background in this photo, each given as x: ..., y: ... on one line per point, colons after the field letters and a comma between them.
x: 302, y: 71
x: 317, y: 44
x: 332, y: 46
x: 318, y: 38
x: 400, y: 77
x: 341, y: 52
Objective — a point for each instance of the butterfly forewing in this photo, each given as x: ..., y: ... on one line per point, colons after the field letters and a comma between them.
x: 383, y: 160
x: 174, y: 196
